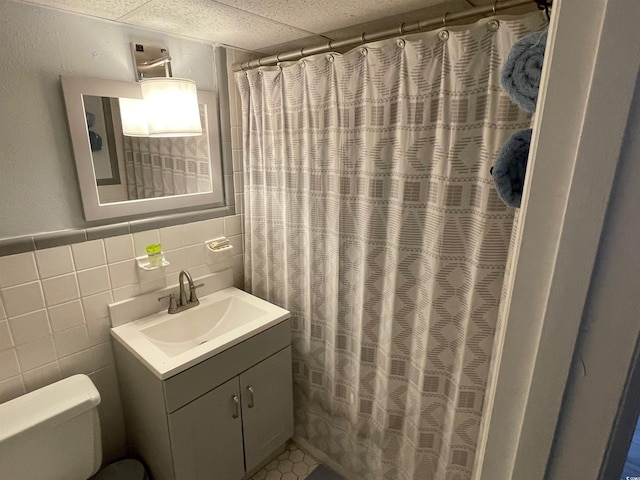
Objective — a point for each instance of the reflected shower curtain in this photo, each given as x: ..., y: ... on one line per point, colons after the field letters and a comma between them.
x: 370, y: 215
x: 159, y: 167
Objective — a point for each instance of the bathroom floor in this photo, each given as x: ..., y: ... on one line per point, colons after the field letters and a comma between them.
x: 292, y: 464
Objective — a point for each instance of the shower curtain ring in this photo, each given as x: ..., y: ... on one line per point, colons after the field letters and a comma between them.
x: 495, y: 2
x: 402, y: 29
x: 444, y: 19
x: 363, y: 38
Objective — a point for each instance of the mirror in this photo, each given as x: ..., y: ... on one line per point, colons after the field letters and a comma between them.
x: 122, y: 176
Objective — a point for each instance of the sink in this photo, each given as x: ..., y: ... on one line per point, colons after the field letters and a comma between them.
x: 170, y: 343
x: 181, y: 332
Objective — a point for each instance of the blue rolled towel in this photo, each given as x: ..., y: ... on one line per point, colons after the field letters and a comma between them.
x: 521, y: 72
x: 509, y: 171
x: 91, y: 119
x: 95, y: 141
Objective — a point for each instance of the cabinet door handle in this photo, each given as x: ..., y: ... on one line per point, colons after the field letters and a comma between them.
x: 251, y: 402
x: 236, y: 406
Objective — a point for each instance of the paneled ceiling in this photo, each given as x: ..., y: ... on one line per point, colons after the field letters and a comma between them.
x: 265, y: 26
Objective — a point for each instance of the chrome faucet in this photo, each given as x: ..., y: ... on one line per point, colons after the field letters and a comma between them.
x: 180, y: 304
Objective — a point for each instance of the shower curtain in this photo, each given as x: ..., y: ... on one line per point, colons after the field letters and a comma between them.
x: 370, y: 215
x: 159, y: 167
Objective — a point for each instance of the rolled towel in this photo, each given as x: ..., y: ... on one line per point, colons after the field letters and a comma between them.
x: 95, y: 141
x: 91, y: 119
x: 509, y: 171
x: 521, y: 72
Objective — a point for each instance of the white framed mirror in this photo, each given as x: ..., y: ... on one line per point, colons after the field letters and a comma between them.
x: 122, y: 176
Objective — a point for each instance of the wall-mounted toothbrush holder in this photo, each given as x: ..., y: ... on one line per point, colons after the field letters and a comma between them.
x: 147, y: 272
x: 219, y: 249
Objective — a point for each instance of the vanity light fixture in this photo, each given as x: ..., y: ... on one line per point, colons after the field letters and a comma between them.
x: 169, y: 105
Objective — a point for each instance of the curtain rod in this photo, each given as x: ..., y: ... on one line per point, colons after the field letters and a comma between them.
x: 403, y: 29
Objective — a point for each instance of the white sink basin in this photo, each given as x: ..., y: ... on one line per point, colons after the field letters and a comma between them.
x: 171, y: 343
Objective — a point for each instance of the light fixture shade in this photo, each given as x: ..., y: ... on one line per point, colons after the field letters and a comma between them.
x: 133, y: 113
x: 172, y: 107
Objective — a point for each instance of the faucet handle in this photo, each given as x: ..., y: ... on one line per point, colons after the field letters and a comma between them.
x: 172, y: 301
x: 192, y: 292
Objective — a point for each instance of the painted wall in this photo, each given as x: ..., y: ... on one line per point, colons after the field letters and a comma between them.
x: 38, y: 183
x: 610, y: 328
x: 53, y: 303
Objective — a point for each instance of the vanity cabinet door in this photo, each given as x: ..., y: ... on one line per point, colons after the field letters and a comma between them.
x: 206, y: 436
x: 267, y: 406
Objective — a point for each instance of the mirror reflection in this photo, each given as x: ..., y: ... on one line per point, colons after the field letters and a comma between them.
x: 134, y: 168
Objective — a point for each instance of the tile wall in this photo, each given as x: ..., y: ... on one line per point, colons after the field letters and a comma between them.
x: 54, y: 320
x: 53, y: 303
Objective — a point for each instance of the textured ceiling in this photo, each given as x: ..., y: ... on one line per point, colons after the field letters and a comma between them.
x: 263, y: 26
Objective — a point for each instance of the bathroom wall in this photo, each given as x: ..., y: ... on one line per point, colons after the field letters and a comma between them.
x: 53, y: 302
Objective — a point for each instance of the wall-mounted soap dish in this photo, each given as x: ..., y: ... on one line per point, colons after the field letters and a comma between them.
x: 219, y: 249
x: 148, y: 272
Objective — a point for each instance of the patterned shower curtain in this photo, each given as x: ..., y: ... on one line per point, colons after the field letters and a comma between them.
x: 370, y: 215
x: 159, y: 167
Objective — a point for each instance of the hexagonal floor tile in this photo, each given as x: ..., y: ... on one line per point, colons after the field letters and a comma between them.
x: 300, y: 468
x: 285, y: 465
x: 296, y: 456
x: 274, y: 475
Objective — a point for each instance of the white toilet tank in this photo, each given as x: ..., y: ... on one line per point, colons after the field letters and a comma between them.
x: 52, y: 433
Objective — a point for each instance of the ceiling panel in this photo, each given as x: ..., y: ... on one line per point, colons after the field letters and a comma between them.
x: 322, y: 15
x: 267, y: 27
x: 212, y: 21
x: 108, y: 9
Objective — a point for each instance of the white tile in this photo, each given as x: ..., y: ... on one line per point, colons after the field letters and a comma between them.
x: 30, y: 327
x: 94, y: 280
x: 41, y: 376
x: 214, y: 228
x: 142, y: 239
x: 199, y: 271
x: 22, y: 299
x: 96, y: 306
x: 99, y: 331
x: 106, y: 382
x: 81, y: 362
x: 238, y: 243
x: 88, y: 254
x: 233, y: 225
x: 54, y: 261
x: 71, y: 341
x: 17, y: 269
x: 103, y: 355
x: 194, y: 233
x: 152, y: 286
x: 195, y: 255
x: 66, y: 315
x: 8, y: 364
x: 125, y: 292
x: 171, y: 237
x: 123, y: 273
x: 177, y: 261
x: 36, y: 354
x: 60, y: 289
x: 6, y: 341
x: 237, y: 263
x: 11, y: 388
x: 119, y: 248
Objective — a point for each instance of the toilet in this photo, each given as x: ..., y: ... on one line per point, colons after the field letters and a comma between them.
x: 53, y: 433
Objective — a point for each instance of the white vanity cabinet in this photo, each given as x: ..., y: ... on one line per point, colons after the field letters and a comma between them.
x: 220, y: 419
